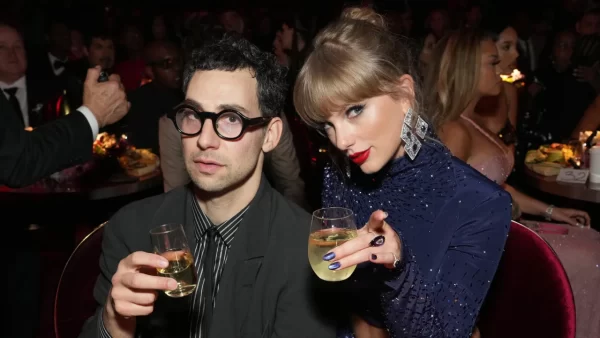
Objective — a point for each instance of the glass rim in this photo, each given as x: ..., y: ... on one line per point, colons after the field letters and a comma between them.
x: 158, y: 230
x: 349, y: 213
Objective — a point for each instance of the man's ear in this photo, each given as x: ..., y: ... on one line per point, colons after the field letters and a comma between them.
x: 272, y: 134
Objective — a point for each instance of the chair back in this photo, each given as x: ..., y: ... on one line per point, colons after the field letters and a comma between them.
x: 74, y: 302
x: 530, y: 295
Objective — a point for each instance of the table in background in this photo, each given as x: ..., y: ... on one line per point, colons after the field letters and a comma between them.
x: 568, y: 195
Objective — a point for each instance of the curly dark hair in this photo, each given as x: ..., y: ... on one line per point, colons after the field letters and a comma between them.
x: 232, y: 53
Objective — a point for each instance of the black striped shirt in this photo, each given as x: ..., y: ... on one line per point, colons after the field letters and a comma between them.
x: 226, y: 232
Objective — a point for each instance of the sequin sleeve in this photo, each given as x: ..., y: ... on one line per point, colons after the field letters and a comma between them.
x: 333, y: 187
x: 447, y: 304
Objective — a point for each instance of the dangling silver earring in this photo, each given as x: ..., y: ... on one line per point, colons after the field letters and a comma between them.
x: 412, y: 145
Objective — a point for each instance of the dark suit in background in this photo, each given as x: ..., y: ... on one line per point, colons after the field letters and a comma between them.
x: 267, y: 288
x: 26, y: 157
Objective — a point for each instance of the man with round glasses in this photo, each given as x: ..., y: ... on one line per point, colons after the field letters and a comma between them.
x: 248, y: 241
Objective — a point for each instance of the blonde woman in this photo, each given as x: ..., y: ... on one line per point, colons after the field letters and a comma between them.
x: 464, y: 71
x: 434, y: 227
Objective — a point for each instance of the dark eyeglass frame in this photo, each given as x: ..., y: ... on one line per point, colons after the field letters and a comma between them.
x: 202, y: 115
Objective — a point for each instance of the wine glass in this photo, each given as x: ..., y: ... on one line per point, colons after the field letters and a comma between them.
x: 329, y: 228
x: 169, y: 241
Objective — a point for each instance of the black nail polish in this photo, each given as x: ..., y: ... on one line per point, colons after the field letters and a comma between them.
x: 374, y: 257
x: 334, y: 266
x: 377, y: 241
x: 329, y: 256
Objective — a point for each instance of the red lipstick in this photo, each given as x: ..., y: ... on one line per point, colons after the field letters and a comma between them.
x: 361, y: 157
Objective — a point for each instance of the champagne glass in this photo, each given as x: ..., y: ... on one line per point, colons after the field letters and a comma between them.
x: 329, y: 228
x: 169, y: 241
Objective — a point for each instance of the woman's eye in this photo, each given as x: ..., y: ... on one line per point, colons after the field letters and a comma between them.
x: 354, y: 110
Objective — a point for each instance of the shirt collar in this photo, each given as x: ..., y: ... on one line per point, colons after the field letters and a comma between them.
x: 225, y: 230
x: 54, y: 58
x: 20, y: 83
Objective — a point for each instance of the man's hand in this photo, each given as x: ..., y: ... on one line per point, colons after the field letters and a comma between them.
x: 133, y: 292
x: 106, y: 100
x: 585, y: 74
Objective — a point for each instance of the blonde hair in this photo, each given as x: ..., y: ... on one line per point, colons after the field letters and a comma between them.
x: 452, y: 78
x: 352, y: 59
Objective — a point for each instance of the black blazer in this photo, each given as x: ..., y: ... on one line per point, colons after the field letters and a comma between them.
x: 267, y: 288
x: 26, y: 157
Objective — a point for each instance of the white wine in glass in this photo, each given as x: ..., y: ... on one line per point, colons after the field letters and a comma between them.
x: 329, y: 228
x: 169, y: 241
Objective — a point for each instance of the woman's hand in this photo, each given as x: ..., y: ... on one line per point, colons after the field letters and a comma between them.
x: 376, y: 242
x: 572, y: 217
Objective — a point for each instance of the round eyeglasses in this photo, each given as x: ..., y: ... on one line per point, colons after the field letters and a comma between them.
x: 229, y: 124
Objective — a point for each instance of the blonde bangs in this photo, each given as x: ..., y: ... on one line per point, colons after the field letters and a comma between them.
x: 333, y: 78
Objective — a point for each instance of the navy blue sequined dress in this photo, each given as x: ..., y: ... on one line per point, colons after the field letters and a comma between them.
x: 453, y: 223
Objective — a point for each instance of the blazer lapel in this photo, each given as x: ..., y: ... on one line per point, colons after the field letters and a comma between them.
x: 234, y: 300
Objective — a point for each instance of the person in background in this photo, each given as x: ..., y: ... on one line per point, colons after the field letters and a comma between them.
x: 454, y: 103
x: 498, y: 113
x: 101, y: 52
x: 438, y: 22
x: 132, y: 68
x: 426, y: 48
x: 588, y: 23
x: 249, y: 243
x: 232, y: 21
x: 587, y: 51
x: 473, y: 15
x: 164, y: 66
x: 47, y: 67
x: 159, y: 28
x: 560, y: 98
x: 78, y: 46
x: 435, y: 227
x: 407, y: 21
x: 27, y: 96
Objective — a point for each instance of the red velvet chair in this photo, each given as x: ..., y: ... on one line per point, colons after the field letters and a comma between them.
x: 531, y: 295
x: 74, y: 302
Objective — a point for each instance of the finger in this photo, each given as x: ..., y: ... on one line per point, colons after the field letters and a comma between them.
x: 376, y: 221
x: 349, y: 248
x: 583, y: 218
x: 92, y: 75
x: 132, y: 310
x: 141, y: 281
x: 351, y: 260
x: 569, y: 220
x: 115, y: 77
x: 588, y: 220
x: 141, y: 258
x: 140, y: 297
x: 385, y: 258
